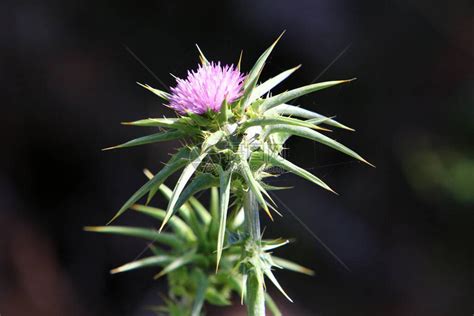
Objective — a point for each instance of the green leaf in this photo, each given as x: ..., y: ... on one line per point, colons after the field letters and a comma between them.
x: 316, y: 136
x: 153, y: 138
x: 257, y: 68
x: 288, y: 109
x: 281, y: 162
x: 273, y: 244
x: 295, y: 93
x: 238, y: 219
x: 225, y: 113
x: 164, y: 95
x: 179, y: 227
x: 271, y: 83
x: 183, y: 179
x: 175, y: 163
x: 224, y: 195
x: 254, y: 186
x: 276, y: 120
x: 201, y: 182
x: 202, y: 212
x: 177, y: 263
x: 274, y: 188
x: 290, y: 265
x: 215, y: 297
x: 245, y: 99
x: 212, y: 140
x: 214, y: 207
x: 155, y: 122
x: 200, y: 292
x: 198, y: 119
x: 144, y: 233
x: 186, y: 212
x: 143, y: 263
x: 255, y: 72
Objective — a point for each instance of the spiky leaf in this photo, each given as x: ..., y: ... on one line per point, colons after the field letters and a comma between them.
x: 295, y: 93
x: 176, y: 223
x: 288, y: 109
x: 265, y: 87
x: 153, y: 261
x: 149, y: 139
x: 176, y: 162
x: 316, y: 136
x: 183, y: 179
x: 278, y: 161
x: 149, y: 234
x: 225, y: 178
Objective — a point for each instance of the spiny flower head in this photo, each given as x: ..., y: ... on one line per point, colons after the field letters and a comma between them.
x: 206, y: 89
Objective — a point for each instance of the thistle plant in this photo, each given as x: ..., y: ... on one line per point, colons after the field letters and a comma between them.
x: 232, y: 131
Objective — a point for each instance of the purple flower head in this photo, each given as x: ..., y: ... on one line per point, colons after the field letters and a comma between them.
x: 206, y: 89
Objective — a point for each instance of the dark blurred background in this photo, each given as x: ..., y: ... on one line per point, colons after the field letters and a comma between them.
x: 404, y: 229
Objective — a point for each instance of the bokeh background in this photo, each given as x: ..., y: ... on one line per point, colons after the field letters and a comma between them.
x: 404, y: 229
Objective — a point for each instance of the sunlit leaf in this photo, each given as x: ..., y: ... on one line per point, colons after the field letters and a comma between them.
x: 143, y: 263
x: 177, y: 263
x: 214, y: 208
x: 254, y: 74
x: 155, y: 122
x: 265, y: 87
x: 289, y: 265
x: 278, y: 161
x: 149, y: 139
x: 288, y: 109
x: 224, y: 194
x: 295, y: 93
x: 138, y: 232
x: 176, y: 162
x: 274, y: 244
x: 212, y: 140
x: 257, y: 68
x: 254, y: 186
x: 183, y: 179
x: 177, y: 224
x: 276, y: 120
x: 201, y: 182
x: 316, y: 136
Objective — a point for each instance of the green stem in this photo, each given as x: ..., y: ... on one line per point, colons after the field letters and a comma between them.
x: 255, y: 299
x: 252, y: 218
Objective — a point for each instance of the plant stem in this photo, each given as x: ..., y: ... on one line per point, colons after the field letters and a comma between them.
x: 255, y: 299
x: 252, y: 217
